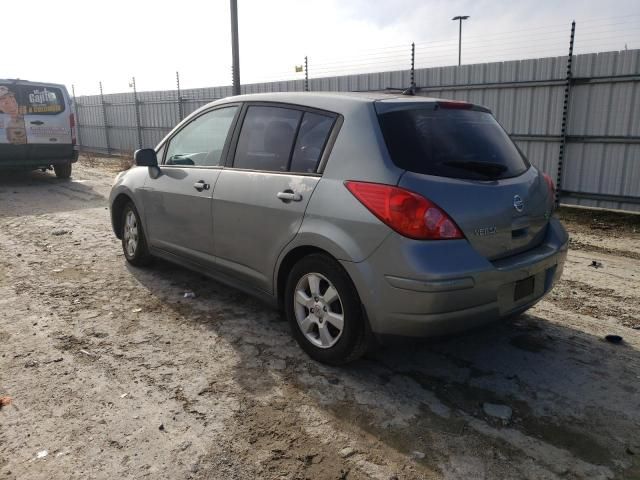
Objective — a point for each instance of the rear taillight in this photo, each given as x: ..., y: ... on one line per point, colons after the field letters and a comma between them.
x: 406, y: 212
x: 72, y: 126
x: 552, y: 187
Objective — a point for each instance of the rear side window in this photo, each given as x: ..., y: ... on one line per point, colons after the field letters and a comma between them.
x: 312, y: 137
x: 455, y: 143
x: 266, y: 139
x: 42, y: 100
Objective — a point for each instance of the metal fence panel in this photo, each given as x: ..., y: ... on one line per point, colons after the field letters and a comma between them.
x: 602, y: 158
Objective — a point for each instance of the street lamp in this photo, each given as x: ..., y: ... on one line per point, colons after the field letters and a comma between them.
x: 460, y: 18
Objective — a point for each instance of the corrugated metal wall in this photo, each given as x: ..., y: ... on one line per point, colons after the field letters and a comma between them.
x: 602, y: 160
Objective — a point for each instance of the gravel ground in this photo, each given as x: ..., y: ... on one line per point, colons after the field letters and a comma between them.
x: 114, y: 374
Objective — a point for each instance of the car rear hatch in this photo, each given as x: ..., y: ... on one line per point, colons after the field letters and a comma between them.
x: 458, y: 156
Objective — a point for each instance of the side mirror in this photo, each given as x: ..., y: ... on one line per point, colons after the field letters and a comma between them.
x: 146, y: 157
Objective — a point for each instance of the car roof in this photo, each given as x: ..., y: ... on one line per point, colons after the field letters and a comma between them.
x: 335, y: 101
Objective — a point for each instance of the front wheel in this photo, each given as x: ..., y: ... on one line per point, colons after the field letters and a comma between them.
x: 324, y: 311
x: 134, y: 243
x: 63, y: 170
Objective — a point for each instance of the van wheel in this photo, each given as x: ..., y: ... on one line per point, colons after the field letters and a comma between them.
x: 63, y: 170
x: 134, y: 243
x: 324, y: 311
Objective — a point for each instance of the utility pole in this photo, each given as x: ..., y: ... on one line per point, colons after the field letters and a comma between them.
x: 460, y: 18
x: 235, y: 49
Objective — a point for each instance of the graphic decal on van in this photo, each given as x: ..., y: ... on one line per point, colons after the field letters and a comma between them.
x: 15, y: 128
x: 43, y: 101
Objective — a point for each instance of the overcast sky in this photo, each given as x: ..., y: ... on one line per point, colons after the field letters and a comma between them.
x: 82, y: 42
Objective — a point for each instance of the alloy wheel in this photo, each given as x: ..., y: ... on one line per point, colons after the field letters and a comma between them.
x: 318, y: 310
x: 131, y: 233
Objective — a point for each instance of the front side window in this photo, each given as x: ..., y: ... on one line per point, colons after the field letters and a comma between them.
x: 266, y: 139
x: 202, y: 141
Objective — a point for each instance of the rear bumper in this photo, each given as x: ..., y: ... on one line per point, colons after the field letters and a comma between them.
x: 438, y: 288
x: 36, y: 156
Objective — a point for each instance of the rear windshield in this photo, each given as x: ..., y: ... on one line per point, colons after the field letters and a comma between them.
x: 18, y: 99
x: 455, y: 143
x: 42, y: 100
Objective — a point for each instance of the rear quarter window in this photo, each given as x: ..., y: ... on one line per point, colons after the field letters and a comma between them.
x: 312, y: 138
x: 466, y: 144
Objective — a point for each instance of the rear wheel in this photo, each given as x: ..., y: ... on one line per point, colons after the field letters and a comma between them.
x: 134, y: 243
x: 324, y: 311
x: 63, y: 170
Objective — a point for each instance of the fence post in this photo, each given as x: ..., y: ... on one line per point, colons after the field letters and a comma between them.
x: 565, y: 115
x: 180, y: 112
x: 306, y: 74
x: 77, y: 117
x: 413, y: 68
x: 137, y: 111
x: 104, y: 121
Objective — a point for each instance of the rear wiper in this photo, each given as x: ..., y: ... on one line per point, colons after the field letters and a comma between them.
x: 488, y: 169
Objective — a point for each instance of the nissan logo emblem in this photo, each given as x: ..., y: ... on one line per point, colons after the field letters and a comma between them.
x: 518, y: 203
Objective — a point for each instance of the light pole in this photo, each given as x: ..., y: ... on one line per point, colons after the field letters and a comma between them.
x: 235, y: 49
x: 460, y: 18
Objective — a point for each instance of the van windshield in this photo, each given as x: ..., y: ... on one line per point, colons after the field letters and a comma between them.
x: 456, y: 143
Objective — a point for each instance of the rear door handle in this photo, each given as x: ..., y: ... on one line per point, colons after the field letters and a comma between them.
x: 201, y: 185
x: 37, y: 122
x: 289, y: 196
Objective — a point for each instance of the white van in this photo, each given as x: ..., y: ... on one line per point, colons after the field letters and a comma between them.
x: 37, y: 127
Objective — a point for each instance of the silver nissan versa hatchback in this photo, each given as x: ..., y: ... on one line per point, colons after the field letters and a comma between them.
x: 362, y: 216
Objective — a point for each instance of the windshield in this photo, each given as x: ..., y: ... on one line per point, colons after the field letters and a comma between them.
x: 455, y: 143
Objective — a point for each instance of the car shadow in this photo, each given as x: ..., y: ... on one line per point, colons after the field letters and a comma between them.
x: 21, y: 193
x: 567, y: 391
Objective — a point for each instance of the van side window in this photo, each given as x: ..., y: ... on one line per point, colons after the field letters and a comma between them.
x: 266, y: 139
x: 201, y: 142
x: 312, y: 138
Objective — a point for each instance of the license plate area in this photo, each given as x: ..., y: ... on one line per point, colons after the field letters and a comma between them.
x: 523, y: 288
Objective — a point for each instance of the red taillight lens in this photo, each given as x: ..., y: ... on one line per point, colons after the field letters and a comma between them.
x: 552, y: 187
x: 72, y: 126
x: 406, y: 212
x: 455, y: 105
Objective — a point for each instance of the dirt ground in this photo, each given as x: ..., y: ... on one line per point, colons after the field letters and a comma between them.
x: 114, y: 374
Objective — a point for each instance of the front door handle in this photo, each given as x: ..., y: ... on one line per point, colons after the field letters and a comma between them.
x: 37, y: 122
x: 289, y: 196
x: 201, y: 185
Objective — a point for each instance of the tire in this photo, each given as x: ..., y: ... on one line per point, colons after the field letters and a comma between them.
x: 307, y: 315
x: 134, y: 242
x: 63, y: 170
